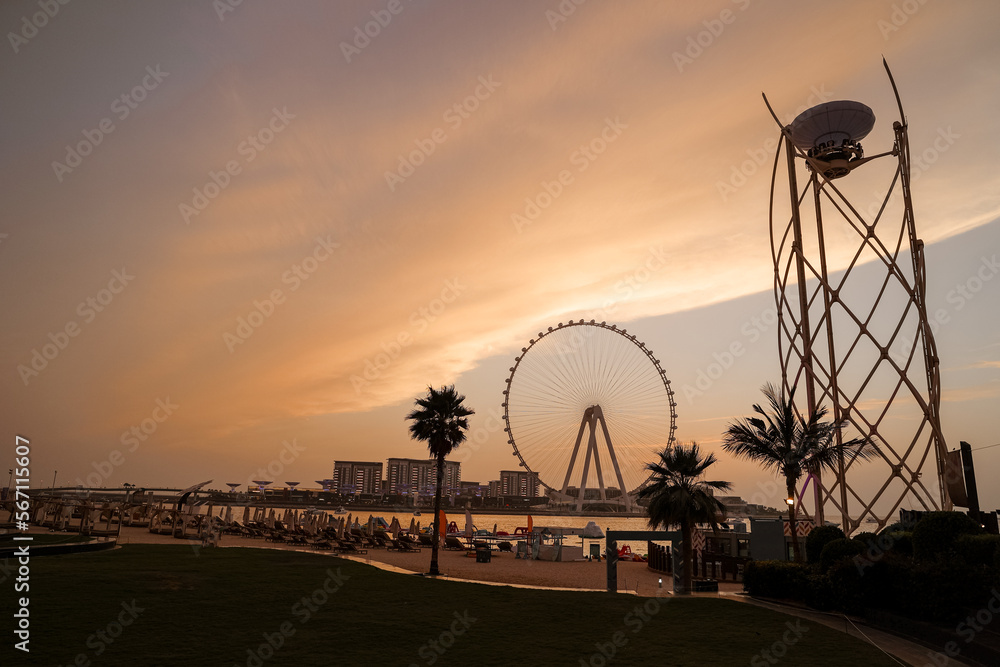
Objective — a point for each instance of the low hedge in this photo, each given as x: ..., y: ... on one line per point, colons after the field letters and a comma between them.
x: 776, y: 579
x: 978, y: 549
x: 935, y: 534
x: 911, y: 574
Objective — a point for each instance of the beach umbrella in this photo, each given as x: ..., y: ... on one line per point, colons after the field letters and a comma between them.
x: 246, y: 514
x: 468, y: 524
x: 418, y: 526
x: 494, y: 529
x: 371, y: 525
x: 229, y: 513
x: 186, y: 494
x: 531, y: 524
x: 413, y: 526
x: 394, y: 527
x: 349, y: 523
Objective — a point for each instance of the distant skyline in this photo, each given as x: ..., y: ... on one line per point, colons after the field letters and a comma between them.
x: 247, y: 236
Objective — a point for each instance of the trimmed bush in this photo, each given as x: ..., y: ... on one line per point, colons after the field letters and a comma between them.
x: 846, y: 583
x: 902, y: 543
x: 935, y: 534
x: 838, y: 550
x: 866, y: 538
x: 947, y: 591
x: 818, y: 538
x: 820, y: 594
x: 897, y: 527
x: 978, y: 549
x: 776, y: 579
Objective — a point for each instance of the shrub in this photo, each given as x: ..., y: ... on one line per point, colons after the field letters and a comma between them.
x: 935, y: 534
x: 870, y: 541
x: 846, y: 584
x: 819, y: 592
x: 818, y: 538
x: 978, y: 549
x: 776, y: 579
x: 897, y: 527
x: 838, y: 550
x: 947, y: 591
x: 902, y: 543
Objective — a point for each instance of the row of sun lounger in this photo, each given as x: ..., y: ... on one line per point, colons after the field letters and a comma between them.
x: 353, y: 542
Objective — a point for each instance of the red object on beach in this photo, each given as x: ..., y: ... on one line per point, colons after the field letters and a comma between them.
x: 625, y: 551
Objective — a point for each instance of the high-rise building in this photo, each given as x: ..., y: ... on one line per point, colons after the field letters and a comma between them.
x: 357, y: 477
x: 413, y: 476
x: 518, y: 483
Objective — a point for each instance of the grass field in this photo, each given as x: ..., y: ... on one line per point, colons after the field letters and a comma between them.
x: 167, y: 605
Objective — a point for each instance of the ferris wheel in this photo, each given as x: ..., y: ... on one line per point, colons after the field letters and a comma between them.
x: 594, y: 379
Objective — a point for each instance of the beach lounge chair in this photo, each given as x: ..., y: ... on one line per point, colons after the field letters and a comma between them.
x: 454, y: 544
x: 407, y: 547
x: 350, y: 548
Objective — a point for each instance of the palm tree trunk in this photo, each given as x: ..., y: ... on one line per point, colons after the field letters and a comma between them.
x: 437, y: 516
x: 791, y: 522
x: 688, y: 558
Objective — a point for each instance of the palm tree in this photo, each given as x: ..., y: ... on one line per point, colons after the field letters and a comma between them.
x: 790, y: 445
x: 440, y: 421
x: 678, y: 496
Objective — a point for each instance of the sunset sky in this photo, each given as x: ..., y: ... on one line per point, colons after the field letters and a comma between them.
x: 254, y: 225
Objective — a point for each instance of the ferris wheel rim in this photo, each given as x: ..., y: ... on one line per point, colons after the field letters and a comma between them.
x: 621, y: 331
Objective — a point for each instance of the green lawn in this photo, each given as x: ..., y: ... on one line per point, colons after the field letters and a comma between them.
x: 216, y: 606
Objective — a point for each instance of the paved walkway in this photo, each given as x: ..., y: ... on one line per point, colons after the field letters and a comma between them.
x: 906, y: 651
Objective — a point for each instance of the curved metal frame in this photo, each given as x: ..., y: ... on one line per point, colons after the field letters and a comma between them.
x: 590, y: 417
x: 806, y: 345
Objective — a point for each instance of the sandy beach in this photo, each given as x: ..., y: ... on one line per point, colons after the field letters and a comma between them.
x: 502, y: 569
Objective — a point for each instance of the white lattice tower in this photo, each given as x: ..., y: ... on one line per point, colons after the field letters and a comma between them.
x: 858, y: 340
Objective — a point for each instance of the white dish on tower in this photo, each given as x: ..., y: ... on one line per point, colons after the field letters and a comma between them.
x: 831, y: 124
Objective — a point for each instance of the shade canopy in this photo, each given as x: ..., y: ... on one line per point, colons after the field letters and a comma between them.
x: 835, y: 122
x: 592, y: 530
